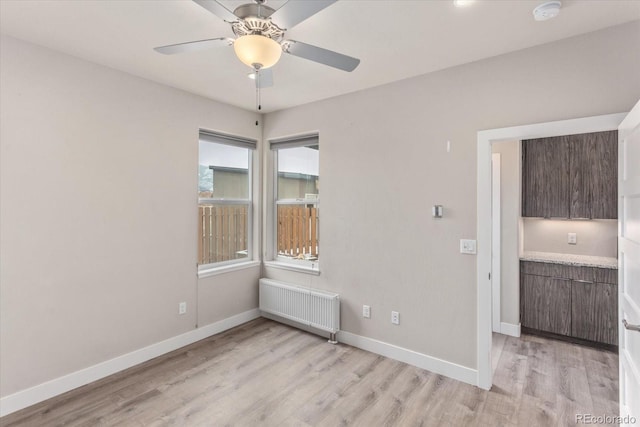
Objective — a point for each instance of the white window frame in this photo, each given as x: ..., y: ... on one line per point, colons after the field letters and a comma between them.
x: 280, y: 261
x: 251, y: 146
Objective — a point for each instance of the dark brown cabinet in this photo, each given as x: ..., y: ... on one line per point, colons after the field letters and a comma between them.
x: 594, y: 311
x: 594, y: 177
x: 545, y: 177
x: 571, y: 176
x: 575, y: 301
x: 547, y: 304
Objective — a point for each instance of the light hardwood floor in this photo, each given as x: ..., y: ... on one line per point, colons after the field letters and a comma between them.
x: 267, y: 374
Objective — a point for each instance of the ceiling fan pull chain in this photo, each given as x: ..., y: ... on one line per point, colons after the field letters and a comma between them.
x: 258, y: 88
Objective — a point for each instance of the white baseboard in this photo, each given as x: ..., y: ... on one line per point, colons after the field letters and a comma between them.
x: 510, y: 329
x: 49, y: 389
x: 433, y: 364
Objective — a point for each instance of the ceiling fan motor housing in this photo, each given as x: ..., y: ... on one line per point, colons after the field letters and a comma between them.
x: 254, y: 19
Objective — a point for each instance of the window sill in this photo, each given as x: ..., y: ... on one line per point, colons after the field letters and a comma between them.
x: 292, y: 267
x: 227, y: 269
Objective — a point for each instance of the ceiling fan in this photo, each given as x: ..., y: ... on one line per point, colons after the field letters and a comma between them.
x: 260, y: 39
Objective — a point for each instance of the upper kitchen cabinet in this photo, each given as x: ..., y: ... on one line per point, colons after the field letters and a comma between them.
x: 594, y: 175
x: 545, y: 177
x: 573, y: 176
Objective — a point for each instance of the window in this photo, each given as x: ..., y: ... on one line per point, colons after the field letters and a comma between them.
x: 297, y: 215
x: 224, y: 199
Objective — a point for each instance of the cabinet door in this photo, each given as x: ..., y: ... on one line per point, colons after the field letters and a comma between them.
x: 594, y: 175
x: 546, y: 304
x: 594, y: 311
x: 545, y: 177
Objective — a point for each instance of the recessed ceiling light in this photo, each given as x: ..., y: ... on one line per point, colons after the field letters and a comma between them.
x: 547, y: 10
x: 462, y: 3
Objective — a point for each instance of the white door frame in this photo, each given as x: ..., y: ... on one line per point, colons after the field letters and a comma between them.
x: 496, y: 261
x: 484, y: 221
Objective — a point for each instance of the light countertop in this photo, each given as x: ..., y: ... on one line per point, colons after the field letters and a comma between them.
x: 569, y: 259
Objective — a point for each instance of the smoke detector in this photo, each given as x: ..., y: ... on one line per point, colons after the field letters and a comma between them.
x: 547, y: 10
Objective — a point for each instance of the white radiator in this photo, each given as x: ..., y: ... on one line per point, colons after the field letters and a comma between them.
x: 318, y: 309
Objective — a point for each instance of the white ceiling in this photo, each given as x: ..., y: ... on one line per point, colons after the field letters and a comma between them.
x: 394, y: 40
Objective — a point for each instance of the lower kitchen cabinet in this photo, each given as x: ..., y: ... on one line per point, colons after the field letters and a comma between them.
x: 594, y: 311
x: 577, y: 305
x: 547, y: 304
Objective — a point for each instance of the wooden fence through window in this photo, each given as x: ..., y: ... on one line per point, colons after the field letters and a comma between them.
x: 223, y: 233
x: 298, y: 231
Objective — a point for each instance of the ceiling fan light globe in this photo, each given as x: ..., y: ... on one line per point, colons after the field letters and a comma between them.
x: 256, y: 49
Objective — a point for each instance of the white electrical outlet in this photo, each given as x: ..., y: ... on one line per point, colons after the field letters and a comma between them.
x: 395, y: 317
x: 366, y: 311
x: 572, y: 238
x: 182, y: 308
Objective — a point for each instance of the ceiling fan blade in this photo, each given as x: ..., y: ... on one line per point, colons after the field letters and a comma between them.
x: 217, y: 9
x: 193, y: 46
x: 294, y: 12
x: 264, y: 78
x: 320, y: 55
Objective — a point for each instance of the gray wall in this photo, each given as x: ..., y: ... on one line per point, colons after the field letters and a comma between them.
x: 386, y: 250
x: 98, y: 183
x: 509, y: 230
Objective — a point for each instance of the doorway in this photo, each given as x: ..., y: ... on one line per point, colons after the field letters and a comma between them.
x: 484, y: 233
x: 506, y: 229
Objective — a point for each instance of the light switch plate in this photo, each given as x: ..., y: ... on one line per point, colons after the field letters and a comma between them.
x: 467, y: 246
x: 572, y: 238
